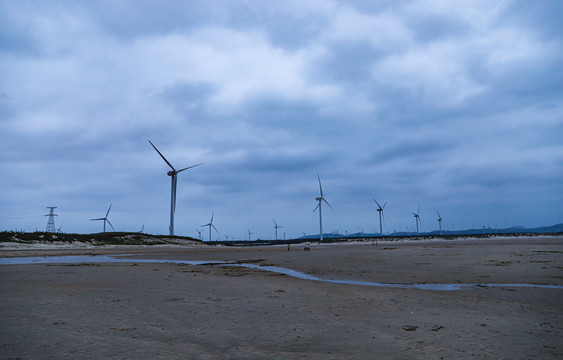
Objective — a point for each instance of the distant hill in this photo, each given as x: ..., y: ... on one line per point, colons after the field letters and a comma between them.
x: 98, y: 239
x: 554, y: 229
x: 120, y: 238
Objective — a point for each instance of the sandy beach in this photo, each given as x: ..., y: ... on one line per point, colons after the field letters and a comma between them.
x: 136, y: 310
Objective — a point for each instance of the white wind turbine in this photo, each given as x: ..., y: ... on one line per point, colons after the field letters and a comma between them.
x: 210, y: 224
x: 198, y: 234
x: 320, y: 199
x: 249, y: 233
x: 380, y: 211
x: 105, y: 219
x: 276, y: 226
x: 173, y: 174
x: 417, y: 218
x: 439, y: 222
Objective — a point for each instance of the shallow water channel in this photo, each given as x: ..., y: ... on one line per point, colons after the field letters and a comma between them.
x: 90, y: 259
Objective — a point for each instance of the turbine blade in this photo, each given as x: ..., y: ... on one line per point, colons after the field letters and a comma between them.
x: 377, y: 203
x: 214, y: 228
x: 189, y: 167
x: 211, y: 222
x: 97, y: 219
x: 174, y: 186
x: 384, y: 205
x: 162, y: 156
x: 315, y: 209
x: 108, y: 210
x: 320, y: 186
x: 110, y: 225
x: 275, y: 223
x: 327, y: 203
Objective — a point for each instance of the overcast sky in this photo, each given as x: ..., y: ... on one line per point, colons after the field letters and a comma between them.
x: 453, y: 106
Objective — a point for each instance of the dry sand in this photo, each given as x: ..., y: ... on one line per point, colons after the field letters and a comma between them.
x: 172, y: 311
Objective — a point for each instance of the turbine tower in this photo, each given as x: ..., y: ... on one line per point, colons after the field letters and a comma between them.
x: 105, y: 219
x: 417, y: 218
x: 174, y: 181
x: 439, y: 222
x: 380, y: 211
x: 51, y: 219
x: 320, y: 199
x: 210, y: 224
x: 276, y: 226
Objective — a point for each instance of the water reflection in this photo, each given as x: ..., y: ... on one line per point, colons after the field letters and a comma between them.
x: 90, y: 259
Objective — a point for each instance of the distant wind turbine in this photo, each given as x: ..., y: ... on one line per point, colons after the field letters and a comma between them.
x: 198, y: 234
x: 105, y: 219
x: 439, y: 222
x: 249, y: 233
x: 173, y: 174
x: 59, y: 229
x: 417, y: 218
x: 143, y: 228
x: 210, y: 224
x: 380, y: 211
x: 276, y: 226
x: 320, y: 199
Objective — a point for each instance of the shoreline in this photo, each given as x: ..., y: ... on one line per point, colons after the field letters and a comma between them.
x: 9, y: 248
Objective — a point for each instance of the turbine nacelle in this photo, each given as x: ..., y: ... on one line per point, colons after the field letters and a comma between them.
x: 171, y: 173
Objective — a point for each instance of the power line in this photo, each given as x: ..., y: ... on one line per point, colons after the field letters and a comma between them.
x: 20, y: 217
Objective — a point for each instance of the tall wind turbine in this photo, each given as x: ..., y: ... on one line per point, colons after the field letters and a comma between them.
x: 320, y: 199
x: 439, y: 222
x: 198, y: 234
x: 380, y: 211
x: 173, y: 175
x: 105, y: 219
x: 210, y: 224
x: 249, y: 233
x: 276, y: 226
x: 417, y: 218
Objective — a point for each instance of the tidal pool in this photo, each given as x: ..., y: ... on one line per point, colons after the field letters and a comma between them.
x: 91, y: 259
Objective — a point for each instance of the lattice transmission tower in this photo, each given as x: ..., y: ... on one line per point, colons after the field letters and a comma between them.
x: 51, y: 220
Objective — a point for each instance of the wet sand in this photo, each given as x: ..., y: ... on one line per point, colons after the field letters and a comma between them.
x: 151, y: 310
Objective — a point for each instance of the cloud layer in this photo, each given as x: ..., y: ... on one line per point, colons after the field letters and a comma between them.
x: 456, y: 107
